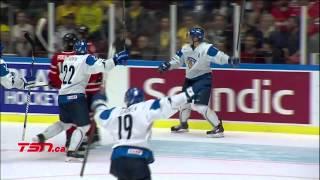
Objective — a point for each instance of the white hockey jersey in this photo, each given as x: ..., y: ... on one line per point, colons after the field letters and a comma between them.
x: 9, y: 79
x: 198, y: 60
x: 75, y: 72
x: 132, y: 126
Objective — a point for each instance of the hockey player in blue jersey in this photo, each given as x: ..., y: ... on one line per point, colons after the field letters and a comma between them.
x: 131, y: 128
x: 197, y: 56
x: 9, y: 79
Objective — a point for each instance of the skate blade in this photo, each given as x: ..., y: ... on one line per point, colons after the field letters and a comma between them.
x: 73, y: 159
x: 95, y: 144
x: 181, y: 131
x: 218, y: 135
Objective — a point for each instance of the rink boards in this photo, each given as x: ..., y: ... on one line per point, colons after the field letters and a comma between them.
x: 272, y: 98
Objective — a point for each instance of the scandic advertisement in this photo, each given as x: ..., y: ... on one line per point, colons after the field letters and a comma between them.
x: 257, y: 96
x: 237, y: 95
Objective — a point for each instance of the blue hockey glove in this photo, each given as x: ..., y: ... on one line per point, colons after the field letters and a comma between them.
x: 121, y: 58
x: 234, y: 60
x: 29, y: 80
x: 164, y: 67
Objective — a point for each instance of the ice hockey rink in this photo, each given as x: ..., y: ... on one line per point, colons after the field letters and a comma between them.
x: 190, y: 156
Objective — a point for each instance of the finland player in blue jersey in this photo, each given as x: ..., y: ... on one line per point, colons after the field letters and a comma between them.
x: 197, y: 56
x: 9, y: 79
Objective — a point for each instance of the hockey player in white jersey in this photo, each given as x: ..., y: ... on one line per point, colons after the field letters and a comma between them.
x: 75, y: 72
x: 131, y: 126
x: 197, y: 56
x: 9, y: 79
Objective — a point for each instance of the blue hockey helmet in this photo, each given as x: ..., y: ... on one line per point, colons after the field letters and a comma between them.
x: 196, y: 32
x: 133, y: 96
x: 80, y: 47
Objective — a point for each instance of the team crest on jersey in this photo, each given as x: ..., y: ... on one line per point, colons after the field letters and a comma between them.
x: 190, y: 62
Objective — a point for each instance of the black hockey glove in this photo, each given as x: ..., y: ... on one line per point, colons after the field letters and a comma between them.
x: 164, y: 67
x: 234, y: 60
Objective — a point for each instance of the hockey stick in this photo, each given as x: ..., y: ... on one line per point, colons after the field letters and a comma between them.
x: 239, y: 27
x: 28, y: 38
x: 84, y: 162
x: 40, y: 84
x: 124, y: 24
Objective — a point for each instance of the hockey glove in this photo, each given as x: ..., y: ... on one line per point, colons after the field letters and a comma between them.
x: 121, y: 58
x: 29, y: 81
x: 234, y: 60
x: 164, y: 67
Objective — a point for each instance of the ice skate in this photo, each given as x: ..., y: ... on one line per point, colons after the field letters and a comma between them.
x: 183, y: 127
x: 217, y: 132
x: 39, y: 138
x: 74, y: 156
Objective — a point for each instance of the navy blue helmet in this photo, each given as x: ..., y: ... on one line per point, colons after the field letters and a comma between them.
x: 69, y: 40
x: 80, y: 47
x: 197, y: 32
x: 133, y: 96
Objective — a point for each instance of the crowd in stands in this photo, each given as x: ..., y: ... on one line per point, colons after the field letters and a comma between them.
x: 269, y: 31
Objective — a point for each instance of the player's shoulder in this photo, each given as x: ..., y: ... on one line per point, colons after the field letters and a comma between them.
x: 152, y: 104
x: 2, y: 61
x: 3, y: 68
x: 206, y: 45
x: 186, y: 47
x: 90, y: 59
x: 110, y: 113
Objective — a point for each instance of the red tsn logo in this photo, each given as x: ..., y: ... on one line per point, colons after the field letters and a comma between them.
x: 39, y: 147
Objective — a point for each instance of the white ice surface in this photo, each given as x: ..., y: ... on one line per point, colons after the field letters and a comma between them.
x: 190, y: 156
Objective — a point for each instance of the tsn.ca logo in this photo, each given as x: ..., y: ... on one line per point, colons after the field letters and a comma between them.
x: 39, y: 147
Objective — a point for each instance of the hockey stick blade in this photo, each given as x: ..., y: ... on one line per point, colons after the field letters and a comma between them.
x: 39, y: 84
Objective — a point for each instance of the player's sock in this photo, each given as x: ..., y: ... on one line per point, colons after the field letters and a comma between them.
x: 184, y: 115
x: 54, y: 130
x: 207, y: 113
x: 212, y: 117
x: 68, y: 135
x: 77, y: 137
